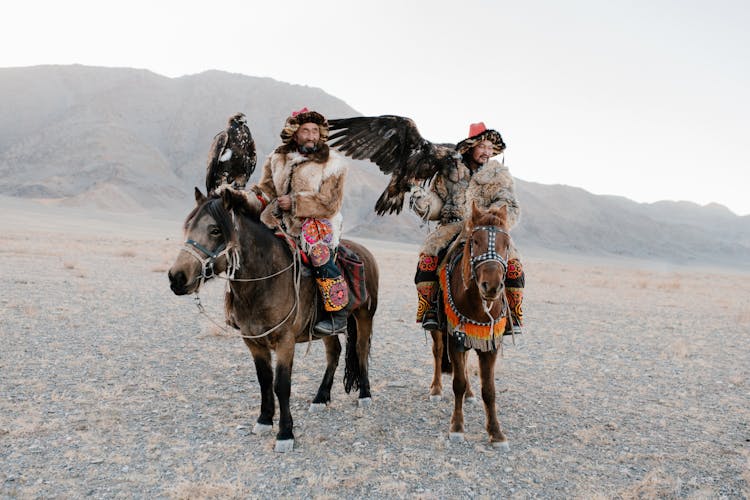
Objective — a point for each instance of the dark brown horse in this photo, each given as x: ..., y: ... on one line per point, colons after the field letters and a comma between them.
x: 271, y: 301
x: 474, y: 297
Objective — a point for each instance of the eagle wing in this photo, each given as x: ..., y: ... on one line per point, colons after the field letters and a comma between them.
x: 215, y: 174
x: 395, y: 145
x: 244, y: 157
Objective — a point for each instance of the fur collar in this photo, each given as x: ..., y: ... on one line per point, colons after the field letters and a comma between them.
x: 487, y: 173
x: 320, y: 156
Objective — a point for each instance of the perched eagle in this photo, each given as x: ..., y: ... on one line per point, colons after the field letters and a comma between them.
x: 394, y: 144
x: 232, y: 157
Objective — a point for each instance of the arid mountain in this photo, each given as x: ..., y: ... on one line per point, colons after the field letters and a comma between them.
x: 118, y: 139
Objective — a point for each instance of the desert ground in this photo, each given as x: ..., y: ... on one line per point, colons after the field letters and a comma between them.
x: 632, y: 380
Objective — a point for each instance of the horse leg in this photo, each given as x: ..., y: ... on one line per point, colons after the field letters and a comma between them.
x: 458, y: 359
x: 436, y: 387
x: 363, y: 325
x: 264, y: 372
x: 283, y: 388
x: 333, y: 351
x: 487, y: 375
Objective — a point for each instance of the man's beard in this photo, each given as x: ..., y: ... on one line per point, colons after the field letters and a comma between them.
x: 307, y: 150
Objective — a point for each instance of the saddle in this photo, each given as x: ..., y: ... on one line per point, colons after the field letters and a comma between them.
x: 353, y: 269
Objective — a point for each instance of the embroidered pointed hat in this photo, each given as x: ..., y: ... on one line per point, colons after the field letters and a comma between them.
x: 301, y: 117
x: 478, y: 132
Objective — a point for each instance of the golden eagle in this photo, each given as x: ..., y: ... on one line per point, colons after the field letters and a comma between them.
x: 394, y: 144
x: 232, y: 157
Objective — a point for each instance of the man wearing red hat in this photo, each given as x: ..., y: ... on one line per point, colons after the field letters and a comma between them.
x: 302, y: 190
x: 448, y: 200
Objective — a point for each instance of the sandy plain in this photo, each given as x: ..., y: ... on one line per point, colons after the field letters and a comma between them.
x: 631, y: 381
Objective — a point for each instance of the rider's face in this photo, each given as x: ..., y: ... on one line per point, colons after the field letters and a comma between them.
x: 307, y: 135
x: 482, y: 152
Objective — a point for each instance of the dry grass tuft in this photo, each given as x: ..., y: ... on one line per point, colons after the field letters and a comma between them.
x: 189, y: 490
x: 672, y: 285
x: 655, y: 484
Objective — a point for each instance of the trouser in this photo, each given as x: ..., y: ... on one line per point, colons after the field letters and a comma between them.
x: 515, y: 280
x: 426, y: 280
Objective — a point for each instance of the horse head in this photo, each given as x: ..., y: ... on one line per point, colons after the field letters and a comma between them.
x: 210, y: 239
x: 485, y: 258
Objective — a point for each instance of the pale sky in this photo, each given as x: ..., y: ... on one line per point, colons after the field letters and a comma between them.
x: 647, y: 99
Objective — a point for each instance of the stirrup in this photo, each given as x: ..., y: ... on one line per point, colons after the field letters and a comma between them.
x: 512, y: 327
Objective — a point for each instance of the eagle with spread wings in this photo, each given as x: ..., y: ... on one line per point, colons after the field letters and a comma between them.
x: 395, y: 145
x: 232, y: 156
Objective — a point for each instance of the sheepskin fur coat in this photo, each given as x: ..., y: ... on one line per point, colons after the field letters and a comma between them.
x: 448, y: 200
x: 315, y: 182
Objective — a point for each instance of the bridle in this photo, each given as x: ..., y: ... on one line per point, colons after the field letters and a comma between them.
x: 491, y: 254
x: 208, y: 262
x: 208, y: 271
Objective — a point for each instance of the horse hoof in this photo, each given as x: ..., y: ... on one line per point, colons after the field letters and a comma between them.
x: 317, y: 407
x: 364, y: 402
x: 471, y: 399
x: 261, y: 429
x: 456, y: 437
x: 436, y: 397
x: 501, y: 445
x: 284, y: 445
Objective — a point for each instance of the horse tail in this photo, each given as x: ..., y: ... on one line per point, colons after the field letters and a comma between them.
x: 352, y: 370
x: 445, y: 361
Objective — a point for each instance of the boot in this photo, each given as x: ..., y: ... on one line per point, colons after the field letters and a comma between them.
x: 333, y: 323
x: 335, y: 295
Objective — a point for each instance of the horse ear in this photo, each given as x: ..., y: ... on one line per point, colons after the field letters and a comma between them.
x: 501, y: 213
x: 228, y: 198
x: 199, y: 198
x: 474, y: 211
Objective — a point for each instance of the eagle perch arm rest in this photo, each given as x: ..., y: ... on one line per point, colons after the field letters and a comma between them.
x: 426, y: 204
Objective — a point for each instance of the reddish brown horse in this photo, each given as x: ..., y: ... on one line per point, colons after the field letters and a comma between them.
x: 475, y: 312
x: 270, y: 301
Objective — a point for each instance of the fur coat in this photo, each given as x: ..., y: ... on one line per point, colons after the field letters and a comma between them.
x: 449, y: 200
x: 315, y: 183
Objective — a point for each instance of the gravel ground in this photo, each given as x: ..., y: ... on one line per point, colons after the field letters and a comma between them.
x: 631, y: 382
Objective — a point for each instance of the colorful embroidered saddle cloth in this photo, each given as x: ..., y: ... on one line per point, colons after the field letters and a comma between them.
x: 473, y: 334
x: 348, y: 262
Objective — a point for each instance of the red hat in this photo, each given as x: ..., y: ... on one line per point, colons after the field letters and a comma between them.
x: 476, y: 129
x: 478, y: 132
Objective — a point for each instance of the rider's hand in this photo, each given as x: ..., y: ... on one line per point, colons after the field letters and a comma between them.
x: 284, y: 201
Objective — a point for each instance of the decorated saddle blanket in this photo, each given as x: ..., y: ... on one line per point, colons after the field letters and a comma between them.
x: 473, y: 334
x: 348, y: 262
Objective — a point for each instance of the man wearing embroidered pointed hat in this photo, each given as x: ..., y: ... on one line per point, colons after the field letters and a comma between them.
x: 302, y: 190
x: 457, y: 174
x: 477, y: 178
